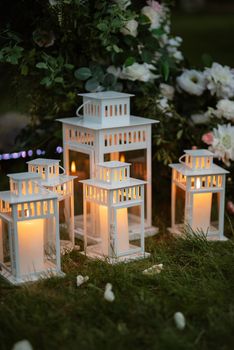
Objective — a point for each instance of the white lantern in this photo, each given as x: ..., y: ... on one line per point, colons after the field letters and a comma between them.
x: 108, y: 132
x: 198, y: 194
x: 111, y: 194
x: 62, y: 185
x: 29, y: 230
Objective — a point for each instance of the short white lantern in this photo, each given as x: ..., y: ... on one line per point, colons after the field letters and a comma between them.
x: 29, y: 230
x: 62, y: 185
x: 112, y: 192
x: 198, y: 194
x: 107, y: 132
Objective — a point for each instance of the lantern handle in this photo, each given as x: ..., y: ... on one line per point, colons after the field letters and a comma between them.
x: 180, y: 159
x: 64, y: 171
x: 80, y: 107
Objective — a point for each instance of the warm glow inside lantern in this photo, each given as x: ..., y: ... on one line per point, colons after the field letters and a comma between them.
x: 107, y: 200
x: 29, y: 230
x: 198, y: 194
x: 107, y: 132
x: 62, y: 185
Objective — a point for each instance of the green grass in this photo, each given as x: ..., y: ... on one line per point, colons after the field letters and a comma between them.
x: 198, y: 280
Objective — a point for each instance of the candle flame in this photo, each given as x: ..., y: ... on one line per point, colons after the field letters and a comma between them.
x: 122, y: 158
x: 198, y: 183
x: 73, y: 167
x: 27, y: 213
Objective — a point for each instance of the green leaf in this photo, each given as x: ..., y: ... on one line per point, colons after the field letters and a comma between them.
x: 179, y: 134
x: 103, y: 26
x: 24, y: 70
x: 109, y: 80
x: 68, y: 66
x: 97, y: 73
x: 59, y: 80
x: 91, y: 85
x: 46, y: 81
x: 147, y: 56
x: 129, y: 61
x: 165, y: 70
x: 41, y: 65
x: 157, y: 32
x: 117, y: 49
x: 83, y: 73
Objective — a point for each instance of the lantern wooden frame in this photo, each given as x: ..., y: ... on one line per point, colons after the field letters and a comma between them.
x: 62, y: 185
x: 108, y: 128
x: 114, y: 189
x: 197, y: 174
x: 28, y: 202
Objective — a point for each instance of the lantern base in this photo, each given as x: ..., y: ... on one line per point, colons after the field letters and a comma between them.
x: 213, y: 235
x: 50, y: 271
x: 134, y: 230
x: 94, y: 252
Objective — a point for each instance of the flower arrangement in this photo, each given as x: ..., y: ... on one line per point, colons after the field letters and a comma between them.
x: 126, y: 46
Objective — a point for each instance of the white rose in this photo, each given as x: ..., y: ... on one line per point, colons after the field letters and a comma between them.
x: 167, y: 91
x: 137, y: 71
x: 226, y: 109
x: 192, y: 82
x: 154, y: 16
x: 130, y: 28
x: 220, y: 80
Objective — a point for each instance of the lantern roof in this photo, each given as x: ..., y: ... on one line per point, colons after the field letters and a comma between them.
x: 112, y: 186
x: 113, y: 164
x: 199, y: 153
x: 132, y: 121
x: 44, y: 161
x: 24, y: 176
x: 184, y: 170
x: 58, y: 180
x: 43, y: 194
x: 105, y: 95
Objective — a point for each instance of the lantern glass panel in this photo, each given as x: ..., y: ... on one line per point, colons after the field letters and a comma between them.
x: 79, y: 165
x: 64, y: 219
x: 179, y: 205
x: 5, y: 254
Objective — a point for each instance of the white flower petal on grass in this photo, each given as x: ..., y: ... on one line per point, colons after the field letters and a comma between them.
x: 179, y: 320
x: 155, y: 269
x: 108, y: 294
x: 22, y: 345
x: 81, y: 279
x: 192, y: 81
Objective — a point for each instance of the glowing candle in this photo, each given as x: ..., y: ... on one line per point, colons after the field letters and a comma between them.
x: 31, y: 246
x: 201, y: 209
x: 122, y: 229
x: 122, y: 158
x: 73, y: 167
x: 104, y: 232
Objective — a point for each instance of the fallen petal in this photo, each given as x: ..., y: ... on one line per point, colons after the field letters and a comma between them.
x: 155, y: 269
x: 179, y: 320
x: 22, y: 345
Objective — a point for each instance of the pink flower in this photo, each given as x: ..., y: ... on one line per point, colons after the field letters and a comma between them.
x: 194, y: 147
x: 208, y: 138
x: 154, y: 5
x: 230, y: 207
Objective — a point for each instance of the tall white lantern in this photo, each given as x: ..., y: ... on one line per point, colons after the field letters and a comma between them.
x: 198, y: 194
x: 62, y: 185
x: 107, y: 132
x: 29, y: 230
x: 111, y: 194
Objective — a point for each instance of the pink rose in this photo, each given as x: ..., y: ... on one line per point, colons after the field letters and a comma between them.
x: 154, y: 5
x: 230, y: 207
x: 208, y: 138
x: 194, y: 147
